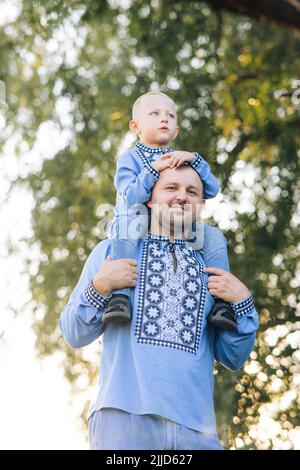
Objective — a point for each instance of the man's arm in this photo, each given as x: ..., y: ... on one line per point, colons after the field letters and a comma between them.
x: 232, y: 349
x: 81, y: 320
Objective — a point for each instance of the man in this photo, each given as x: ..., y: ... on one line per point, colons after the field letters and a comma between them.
x: 156, y: 373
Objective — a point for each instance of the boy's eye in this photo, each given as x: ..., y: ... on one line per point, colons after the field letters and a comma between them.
x: 156, y: 112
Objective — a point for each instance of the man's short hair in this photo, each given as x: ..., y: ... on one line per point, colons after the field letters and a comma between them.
x: 140, y: 99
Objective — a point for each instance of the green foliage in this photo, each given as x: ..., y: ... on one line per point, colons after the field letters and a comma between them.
x: 234, y: 81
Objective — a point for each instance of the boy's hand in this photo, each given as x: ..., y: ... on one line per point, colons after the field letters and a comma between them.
x: 178, y: 157
x: 162, y: 163
x: 115, y: 274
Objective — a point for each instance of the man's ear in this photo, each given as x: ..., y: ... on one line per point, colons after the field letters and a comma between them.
x: 149, y: 204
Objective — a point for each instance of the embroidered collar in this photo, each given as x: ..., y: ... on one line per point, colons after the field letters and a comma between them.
x: 176, y: 241
x: 145, y: 148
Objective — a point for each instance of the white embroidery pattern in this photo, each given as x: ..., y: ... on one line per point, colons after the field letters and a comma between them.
x: 170, y: 305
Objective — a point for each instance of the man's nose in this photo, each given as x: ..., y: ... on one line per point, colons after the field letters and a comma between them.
x: 181, y: 195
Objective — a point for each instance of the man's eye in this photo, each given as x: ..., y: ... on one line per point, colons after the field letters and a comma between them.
x: 193, y: 192
x: 170, y: 187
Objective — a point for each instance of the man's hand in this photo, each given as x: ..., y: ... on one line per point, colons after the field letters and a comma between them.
x: 226, y: 286
x: 115, y: 274
x: 178, y: 157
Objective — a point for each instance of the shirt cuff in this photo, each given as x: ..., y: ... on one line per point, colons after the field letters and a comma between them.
x: 198, y: 159
x: 243, y: 307
x: 153, y: 171
x: 95, y: 299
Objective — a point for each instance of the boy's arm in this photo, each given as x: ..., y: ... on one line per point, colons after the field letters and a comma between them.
x: 179, y: 157
x: 210, y: 182
x: 133, y: 180
x: 81, y: 320
x: 231, y: 349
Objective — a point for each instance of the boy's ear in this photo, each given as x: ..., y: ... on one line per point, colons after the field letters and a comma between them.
x: 133, y: 126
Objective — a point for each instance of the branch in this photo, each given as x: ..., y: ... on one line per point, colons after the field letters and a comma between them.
x: 284, y: 13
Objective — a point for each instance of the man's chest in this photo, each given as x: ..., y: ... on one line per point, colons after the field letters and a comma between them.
x: 171, y: 296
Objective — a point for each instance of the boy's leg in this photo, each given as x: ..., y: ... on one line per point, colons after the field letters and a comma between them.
x: 119, y: 308
x: 221, y: 316
x: 197, y: 235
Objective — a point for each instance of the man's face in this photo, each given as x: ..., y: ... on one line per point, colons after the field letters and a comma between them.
x: 156, y: 120
x: 177, y: 199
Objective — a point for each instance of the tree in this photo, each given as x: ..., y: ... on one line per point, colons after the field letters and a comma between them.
x: 284, y: 13
x: 235, y: 84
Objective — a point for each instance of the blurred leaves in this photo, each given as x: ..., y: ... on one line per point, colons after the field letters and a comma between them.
x: 78, y: 67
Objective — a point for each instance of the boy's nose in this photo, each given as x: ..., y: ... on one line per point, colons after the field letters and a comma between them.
x: 164, y: 115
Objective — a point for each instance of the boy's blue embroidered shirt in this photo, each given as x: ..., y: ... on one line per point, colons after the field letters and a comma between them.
x: 134, y: 181
x: 162, y: 361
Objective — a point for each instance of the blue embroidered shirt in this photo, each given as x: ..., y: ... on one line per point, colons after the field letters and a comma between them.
x: 162, y: 362
x: 134, y: 180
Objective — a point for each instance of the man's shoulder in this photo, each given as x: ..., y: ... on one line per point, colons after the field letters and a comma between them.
x: 104, y: 247
x: 213, y: 238
x: 211, y: 230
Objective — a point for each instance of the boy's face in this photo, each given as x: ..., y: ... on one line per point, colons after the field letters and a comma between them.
x: 156, y: 121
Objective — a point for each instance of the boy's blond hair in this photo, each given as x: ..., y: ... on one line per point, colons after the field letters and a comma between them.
x: 140, y: 99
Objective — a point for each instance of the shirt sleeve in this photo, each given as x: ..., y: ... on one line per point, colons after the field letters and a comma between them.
x: 81, y: 320
x: 231, y: 349
x: 210, y: 183
x: 132, y: 183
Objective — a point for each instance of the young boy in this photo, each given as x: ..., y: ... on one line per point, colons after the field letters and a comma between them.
x: 155, y: 122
